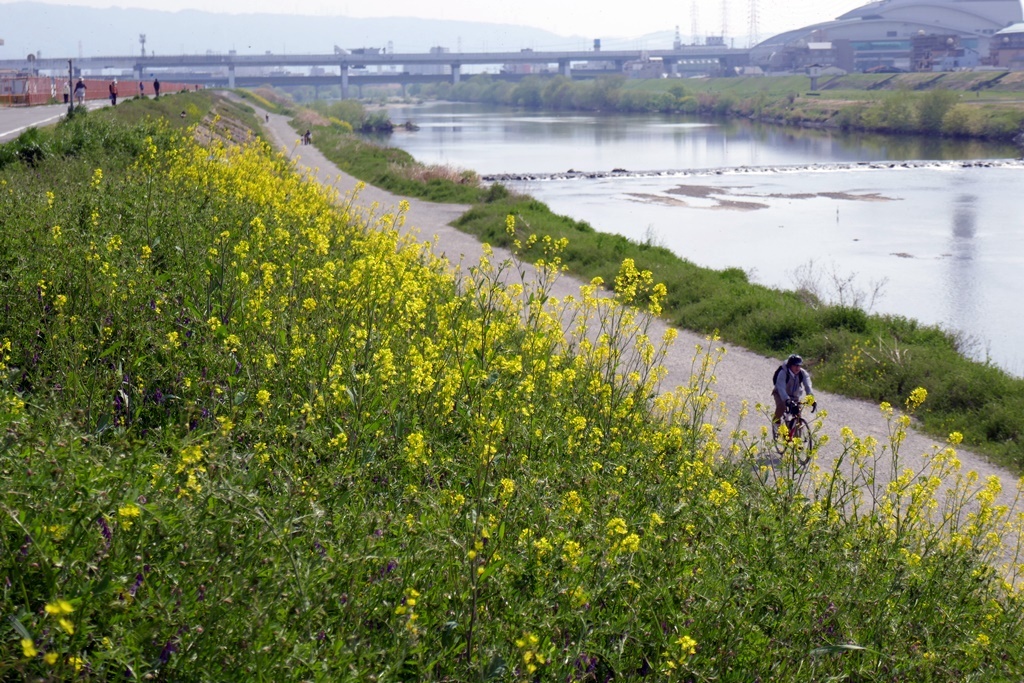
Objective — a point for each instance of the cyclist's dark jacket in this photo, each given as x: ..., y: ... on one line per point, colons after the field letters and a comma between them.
x: 790, y: 386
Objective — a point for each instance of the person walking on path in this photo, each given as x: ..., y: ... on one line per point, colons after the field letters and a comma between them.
x: 80, y: 91
x: 113, y: 92
x: 156, y: 86
x: 142, y: 89
x: 67, y: 92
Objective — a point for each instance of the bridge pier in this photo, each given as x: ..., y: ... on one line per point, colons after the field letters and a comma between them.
x: 565, y: 68
x: 231, y: 76
x: 344, y: 82
x: 456, y: 73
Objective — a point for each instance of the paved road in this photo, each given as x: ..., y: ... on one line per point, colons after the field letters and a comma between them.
x: 15, y: 120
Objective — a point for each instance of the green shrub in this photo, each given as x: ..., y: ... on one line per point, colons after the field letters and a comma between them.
x: 962, y: 120
x: 845, y: 317
x: 933, y: 107
x: 778, y: 333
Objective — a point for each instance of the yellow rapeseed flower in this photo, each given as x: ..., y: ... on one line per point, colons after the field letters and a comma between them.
x: 128, y: 513
x: 617, y: 526
x: 688, y: 645
x: 917, y: 397
x: 630, y: 544
x: 59, y: 607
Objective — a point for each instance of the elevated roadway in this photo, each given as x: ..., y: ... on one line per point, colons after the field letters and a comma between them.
x: 351, y: 68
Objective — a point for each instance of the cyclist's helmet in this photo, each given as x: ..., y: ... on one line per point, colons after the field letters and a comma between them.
x: 794, y: 360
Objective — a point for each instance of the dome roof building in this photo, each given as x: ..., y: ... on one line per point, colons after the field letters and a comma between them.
x: 879, y: 35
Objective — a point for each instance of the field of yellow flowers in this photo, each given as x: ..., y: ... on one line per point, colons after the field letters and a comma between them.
x: 249, y: 434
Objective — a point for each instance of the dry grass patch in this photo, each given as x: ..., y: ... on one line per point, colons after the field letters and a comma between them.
x: 426, y: 173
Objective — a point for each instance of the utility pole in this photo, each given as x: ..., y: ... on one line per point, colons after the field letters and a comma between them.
x: 71, y: 89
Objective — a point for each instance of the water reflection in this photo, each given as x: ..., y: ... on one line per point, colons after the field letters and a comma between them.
x: 964, y: 219
x: 962, y: 277
x: 546, y: 143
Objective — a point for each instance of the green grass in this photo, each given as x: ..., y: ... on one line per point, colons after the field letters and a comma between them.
x: 246, y: 437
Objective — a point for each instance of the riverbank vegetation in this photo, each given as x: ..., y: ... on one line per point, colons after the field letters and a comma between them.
x: 876, y: 357
x: 245, y: 435
x: 879, y: 358
x: 969, y: 105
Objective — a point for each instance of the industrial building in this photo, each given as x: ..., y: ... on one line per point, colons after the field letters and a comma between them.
x: 896, y: 35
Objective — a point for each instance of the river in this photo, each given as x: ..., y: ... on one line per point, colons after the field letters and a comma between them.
x: 940, y: 239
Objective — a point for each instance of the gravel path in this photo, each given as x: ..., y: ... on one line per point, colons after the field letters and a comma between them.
x: 741, y: 375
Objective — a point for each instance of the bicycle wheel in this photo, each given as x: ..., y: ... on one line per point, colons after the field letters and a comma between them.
x: 781, y: 443
x: 801, y: 430
x: 780, y: 446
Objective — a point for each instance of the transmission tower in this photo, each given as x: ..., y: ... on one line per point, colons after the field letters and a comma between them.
x: 695, y: 23
x: 725, y: 20
x: 753, y: 31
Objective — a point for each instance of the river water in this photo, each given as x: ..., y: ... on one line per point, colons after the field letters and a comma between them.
x: 940, y: 241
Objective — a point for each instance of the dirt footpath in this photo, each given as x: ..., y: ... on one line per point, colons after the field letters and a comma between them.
x: 741, y: 376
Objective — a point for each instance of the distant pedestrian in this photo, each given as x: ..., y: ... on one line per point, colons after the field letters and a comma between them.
x: 80, y: 91
x: 307, y: 138
x: 113, y: 92
x: 67, y: 92
x: 156, y: 86
x: 142, y: 89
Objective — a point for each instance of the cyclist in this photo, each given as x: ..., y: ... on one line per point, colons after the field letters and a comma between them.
x: 792, y: 382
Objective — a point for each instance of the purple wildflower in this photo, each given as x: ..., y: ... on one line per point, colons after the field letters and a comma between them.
x: 169, y: 648
x: 105, y: 530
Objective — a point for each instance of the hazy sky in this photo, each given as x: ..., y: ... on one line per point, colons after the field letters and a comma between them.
x: 591, y: 18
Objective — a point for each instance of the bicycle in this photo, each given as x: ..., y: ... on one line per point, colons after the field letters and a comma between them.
x: 799, y: 437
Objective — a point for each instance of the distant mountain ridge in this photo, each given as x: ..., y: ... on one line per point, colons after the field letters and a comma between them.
x: 52, y: 31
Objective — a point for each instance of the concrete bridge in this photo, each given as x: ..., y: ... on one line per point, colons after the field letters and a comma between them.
x: 349, y: 68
